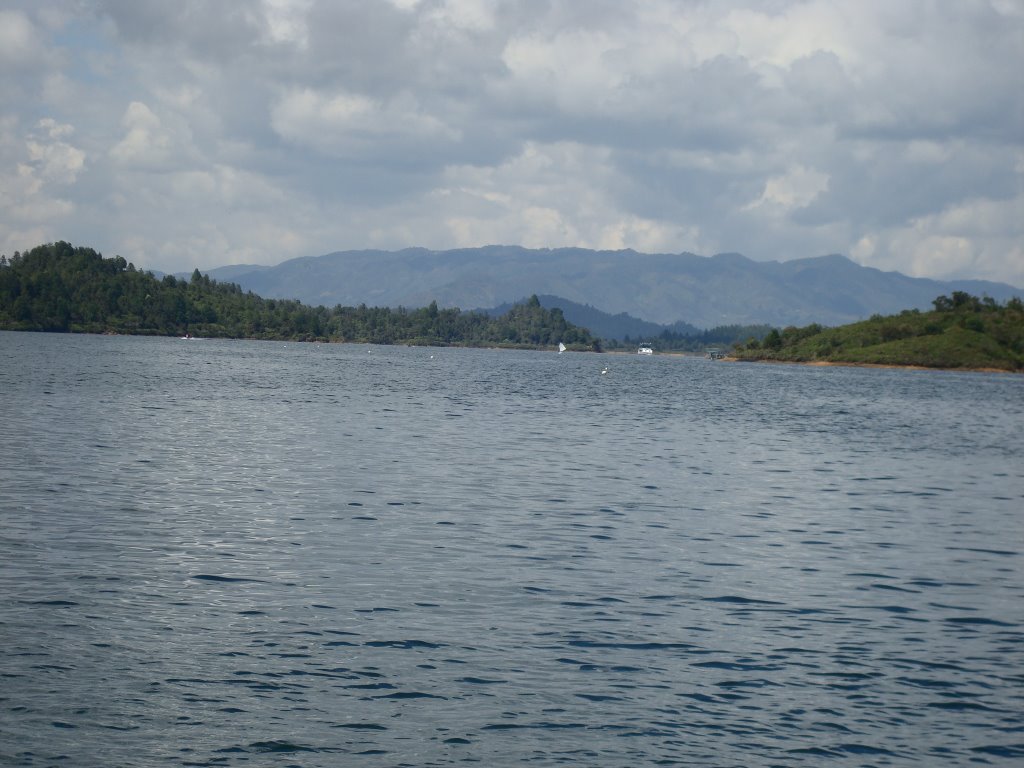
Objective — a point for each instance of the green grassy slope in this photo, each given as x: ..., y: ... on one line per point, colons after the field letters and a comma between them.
x: 962, y: 332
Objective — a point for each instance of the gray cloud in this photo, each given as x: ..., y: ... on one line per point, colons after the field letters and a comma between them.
x: 202, y: 133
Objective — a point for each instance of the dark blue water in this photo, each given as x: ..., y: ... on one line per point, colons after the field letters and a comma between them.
x: 221, y: 553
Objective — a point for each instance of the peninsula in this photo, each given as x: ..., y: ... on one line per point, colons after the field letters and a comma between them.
x: 62, y: 288
x: 961, y: 332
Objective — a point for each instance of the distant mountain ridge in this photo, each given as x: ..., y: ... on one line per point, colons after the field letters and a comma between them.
x: 661, y: 288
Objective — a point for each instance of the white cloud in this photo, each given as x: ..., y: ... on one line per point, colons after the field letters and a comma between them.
x: 548, y: 196
x: 352, y: 125
x: 155, y: 143
x: 36, y: 171
x: 474, y: 15
x: 575, y: 68
x: 50, y: 158
x: 286, y: 21
x: 205, y: 132
x: 797, y: 187
x: 778, y: 39
x: 219, y: 212
x: 981, y: 239
x: 145, y: 142
x: 19, y: 43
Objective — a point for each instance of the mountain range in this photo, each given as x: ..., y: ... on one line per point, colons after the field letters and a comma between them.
x: 660, y: 288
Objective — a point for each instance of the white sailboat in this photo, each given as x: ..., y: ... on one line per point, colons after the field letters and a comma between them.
x: 561, y: 347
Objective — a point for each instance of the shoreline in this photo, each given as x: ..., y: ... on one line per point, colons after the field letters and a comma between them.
x: 896, y: 366
x: 656, y: 354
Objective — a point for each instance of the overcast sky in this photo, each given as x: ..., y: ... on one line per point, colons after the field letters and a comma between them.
x: 182, y: 134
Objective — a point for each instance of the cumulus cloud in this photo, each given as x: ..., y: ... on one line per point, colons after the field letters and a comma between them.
x: 978, y: 237
x: 797, y: 187
x: 145, y: 142
x: 354, y: 126
x: 35, y: 172
x: 50, y: 158
x: 286, y: 21
x: 545, y: 197
x: 19, y: 43
x: 206, y: 133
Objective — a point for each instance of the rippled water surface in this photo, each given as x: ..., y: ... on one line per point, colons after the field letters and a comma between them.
x: 222, y: 553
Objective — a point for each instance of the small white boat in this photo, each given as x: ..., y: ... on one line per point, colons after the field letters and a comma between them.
x: 561, y: 347
x: 645, y: 349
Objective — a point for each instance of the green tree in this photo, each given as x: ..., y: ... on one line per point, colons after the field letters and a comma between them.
x: 61, y: 287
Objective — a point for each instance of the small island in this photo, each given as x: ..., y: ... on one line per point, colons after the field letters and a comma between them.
x: 61, y: 288
x: 961, y: 332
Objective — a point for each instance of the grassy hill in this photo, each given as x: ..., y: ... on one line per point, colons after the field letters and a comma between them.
x: 961, y: 332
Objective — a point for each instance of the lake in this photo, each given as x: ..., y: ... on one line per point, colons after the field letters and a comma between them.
x: 229, y: 553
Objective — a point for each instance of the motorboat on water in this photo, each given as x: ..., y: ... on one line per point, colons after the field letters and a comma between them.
x: 645, y: 349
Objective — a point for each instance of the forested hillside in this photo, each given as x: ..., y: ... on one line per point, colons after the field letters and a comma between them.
x: 962, y: 331
x: 622, y: 331
x: 60, y: 287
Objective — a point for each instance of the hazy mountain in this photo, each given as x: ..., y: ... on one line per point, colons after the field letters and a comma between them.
x: 229, y: 274
x: 662, y: 288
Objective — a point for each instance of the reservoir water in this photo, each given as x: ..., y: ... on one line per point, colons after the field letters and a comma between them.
x: 226, y: 553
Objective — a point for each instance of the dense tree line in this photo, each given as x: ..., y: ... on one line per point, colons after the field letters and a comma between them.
x: 63, y: 288
x: 696, y: 341
x: 963, y: 331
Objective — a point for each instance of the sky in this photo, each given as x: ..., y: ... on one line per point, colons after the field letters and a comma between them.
x: 198, y: 134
